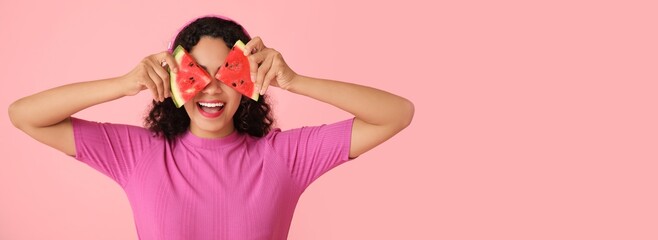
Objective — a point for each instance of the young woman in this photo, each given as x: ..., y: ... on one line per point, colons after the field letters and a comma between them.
x: 212, y: 169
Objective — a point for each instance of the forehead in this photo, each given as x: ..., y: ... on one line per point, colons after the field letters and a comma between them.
x: 210, y: 52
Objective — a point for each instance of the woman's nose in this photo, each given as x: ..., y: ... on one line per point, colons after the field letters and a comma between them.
x: 213, y: 87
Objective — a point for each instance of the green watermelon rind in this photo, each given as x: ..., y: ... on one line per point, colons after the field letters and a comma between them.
x: 240, y: 45
x: 178, y: 53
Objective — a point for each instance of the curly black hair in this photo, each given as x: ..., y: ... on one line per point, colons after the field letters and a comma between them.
x: 252, y: 117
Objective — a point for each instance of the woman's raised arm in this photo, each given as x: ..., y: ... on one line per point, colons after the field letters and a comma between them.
x: 378, y: 114
x: 45, y: 115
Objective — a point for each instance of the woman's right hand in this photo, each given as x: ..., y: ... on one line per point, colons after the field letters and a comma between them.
x: 151, y: 73
x: 45, y: 116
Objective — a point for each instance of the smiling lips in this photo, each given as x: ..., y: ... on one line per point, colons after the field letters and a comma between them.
x: 210, y: 109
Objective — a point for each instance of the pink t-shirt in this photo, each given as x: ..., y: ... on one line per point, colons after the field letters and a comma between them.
x: 236, y: 187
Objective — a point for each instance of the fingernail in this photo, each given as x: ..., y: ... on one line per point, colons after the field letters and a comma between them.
x: 253, y: 78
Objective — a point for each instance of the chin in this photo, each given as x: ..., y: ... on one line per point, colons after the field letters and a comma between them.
x: 211, y: 123
x: 215, y: 127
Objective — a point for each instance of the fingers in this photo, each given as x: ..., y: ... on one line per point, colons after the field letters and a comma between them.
x: 255, y: 45
x: 151, y: 73
x: 170, y: 61
x: 271, y: 75
x: 173, y: 66
x: 157, y: 77
x: 263, y: 70
x: 253, y: 67
x: 149, y: 84
x: 155, y: 84
x: 253, y: 49
x: 265, y: 65
x: 254, y: 61
x: 163, y: 79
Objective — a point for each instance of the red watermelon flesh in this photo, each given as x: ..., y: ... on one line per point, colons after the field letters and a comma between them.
x: 236, y: 73
x: 189, y: 80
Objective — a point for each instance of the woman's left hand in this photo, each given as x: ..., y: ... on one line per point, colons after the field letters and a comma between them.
x: 267, y: 66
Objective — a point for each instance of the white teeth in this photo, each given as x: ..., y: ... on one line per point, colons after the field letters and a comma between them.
x: 211, y: 104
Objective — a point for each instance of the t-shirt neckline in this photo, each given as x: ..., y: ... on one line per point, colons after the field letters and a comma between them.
x: 230, y: 139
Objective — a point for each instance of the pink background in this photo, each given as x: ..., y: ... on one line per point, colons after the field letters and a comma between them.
x: 533, y: 120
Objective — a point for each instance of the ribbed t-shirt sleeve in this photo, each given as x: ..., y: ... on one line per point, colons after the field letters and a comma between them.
x: 312, y: 151
x: 112, y: 149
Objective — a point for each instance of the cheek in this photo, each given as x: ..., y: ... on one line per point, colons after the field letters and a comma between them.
x: 235, y: 103
x: 189, y: 107
x: 232, y: 94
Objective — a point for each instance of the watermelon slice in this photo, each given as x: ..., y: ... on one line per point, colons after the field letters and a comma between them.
x: 236, y: 73
x: 189, y: 80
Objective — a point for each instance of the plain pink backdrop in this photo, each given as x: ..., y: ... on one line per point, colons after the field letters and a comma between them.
x: 534, y: 119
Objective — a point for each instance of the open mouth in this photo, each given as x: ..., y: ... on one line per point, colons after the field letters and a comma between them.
x: 210, y: 109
